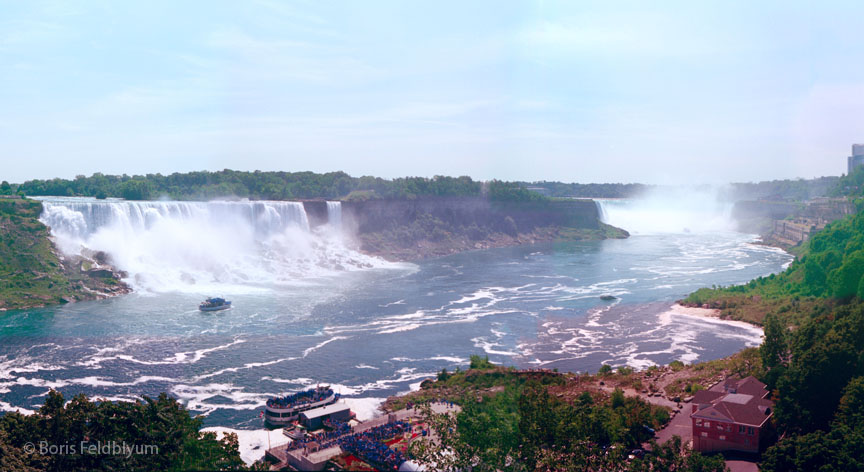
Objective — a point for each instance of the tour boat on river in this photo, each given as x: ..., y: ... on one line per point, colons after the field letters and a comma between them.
x: 214, y: 304
x: 281, y: 411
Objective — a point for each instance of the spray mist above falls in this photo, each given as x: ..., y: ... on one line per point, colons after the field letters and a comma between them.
x: 671, y: 210
x: 201, y: 246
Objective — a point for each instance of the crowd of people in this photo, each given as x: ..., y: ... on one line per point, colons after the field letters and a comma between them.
x: 369, y: 445
x: 300, y: 398
x: 337, y: 429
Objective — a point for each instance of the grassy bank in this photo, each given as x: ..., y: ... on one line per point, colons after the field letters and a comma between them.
x: 32, y: 273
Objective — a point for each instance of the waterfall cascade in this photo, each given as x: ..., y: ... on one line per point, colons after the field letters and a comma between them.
x: 334, y: 215
x: 670, y: 210
x: 194, y: 246
x: 81, y: 218
x: 601, y: 211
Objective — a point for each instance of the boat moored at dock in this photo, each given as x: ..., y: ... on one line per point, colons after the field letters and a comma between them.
x: 281, y: 411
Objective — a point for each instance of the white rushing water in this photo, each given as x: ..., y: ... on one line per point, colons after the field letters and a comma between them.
x: 199, y: 246
x: 334, y: 216
x: 670, y: 210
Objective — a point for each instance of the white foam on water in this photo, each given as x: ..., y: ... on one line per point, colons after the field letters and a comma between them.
x: 399, y: 329
x: 195, y: 397
x: 314, y: 348
x: 453, y: 359
x: 248, y: 365
x: 750, y: 332
x: 252, y: 443
x: 398, y: 302
x: 11, y: 409
x: 187, y: 357
x: 365, y: 408
x: 297, y: 381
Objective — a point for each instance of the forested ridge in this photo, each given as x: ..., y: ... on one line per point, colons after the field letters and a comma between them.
x: 272, y: 185
x: 205, y: 185
x: 813, y: 353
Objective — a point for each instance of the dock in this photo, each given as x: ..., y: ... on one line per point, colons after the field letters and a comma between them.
x: 303, y: 459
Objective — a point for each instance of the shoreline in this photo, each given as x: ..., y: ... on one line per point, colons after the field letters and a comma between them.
x: 376, y: 245
x: 711, y: 315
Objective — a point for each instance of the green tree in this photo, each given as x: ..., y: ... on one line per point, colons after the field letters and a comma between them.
x: 165, y: 436
x: 773, y: 349
x: 136, y: 190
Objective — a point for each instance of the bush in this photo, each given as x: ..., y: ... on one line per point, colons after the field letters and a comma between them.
x: 478, y: 362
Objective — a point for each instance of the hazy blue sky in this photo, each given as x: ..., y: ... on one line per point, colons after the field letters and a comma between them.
x: 574, y: 91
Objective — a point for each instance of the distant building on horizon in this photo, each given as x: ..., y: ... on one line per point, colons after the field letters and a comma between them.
x: 857, y: 157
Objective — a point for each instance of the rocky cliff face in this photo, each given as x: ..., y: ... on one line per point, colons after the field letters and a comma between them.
x: 788, y: 224
x: 372, y: 215
x: 426, y: 227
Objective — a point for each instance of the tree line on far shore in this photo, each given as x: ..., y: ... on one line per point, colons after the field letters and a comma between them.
x: 269, y: 185
x: 260, y: 185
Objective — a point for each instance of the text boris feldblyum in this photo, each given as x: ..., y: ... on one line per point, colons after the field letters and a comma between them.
x: 105, y: 448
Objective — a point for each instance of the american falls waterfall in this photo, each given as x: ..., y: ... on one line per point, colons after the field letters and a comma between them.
x: 198, y: 246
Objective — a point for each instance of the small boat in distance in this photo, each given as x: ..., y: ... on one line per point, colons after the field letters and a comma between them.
x: 214, y: 304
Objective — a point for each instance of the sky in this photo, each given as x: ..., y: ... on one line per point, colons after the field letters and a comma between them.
x: 607, y: 91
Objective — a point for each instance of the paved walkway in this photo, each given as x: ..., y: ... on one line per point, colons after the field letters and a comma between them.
x: 679, y: 426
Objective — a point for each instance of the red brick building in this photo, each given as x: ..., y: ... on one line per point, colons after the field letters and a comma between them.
x: 732, y: 416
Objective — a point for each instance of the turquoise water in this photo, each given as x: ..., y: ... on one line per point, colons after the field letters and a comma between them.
x: 377, y: 332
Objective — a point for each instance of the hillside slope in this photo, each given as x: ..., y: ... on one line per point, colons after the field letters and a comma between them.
x: 830, y: 266
x: 813, y: 354
x: 31, y: 271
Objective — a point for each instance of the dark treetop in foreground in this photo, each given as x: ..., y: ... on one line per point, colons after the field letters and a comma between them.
x: 159, y: 434
x: 512, y: 420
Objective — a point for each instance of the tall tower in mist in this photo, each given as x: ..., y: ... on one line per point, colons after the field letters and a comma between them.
x: 857, y: 157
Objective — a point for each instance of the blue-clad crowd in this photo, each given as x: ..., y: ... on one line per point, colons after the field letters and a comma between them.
x: 300, y: 398
x: 369, y: 446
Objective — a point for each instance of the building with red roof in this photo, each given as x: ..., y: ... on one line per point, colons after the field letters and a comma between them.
x: 732, y: 416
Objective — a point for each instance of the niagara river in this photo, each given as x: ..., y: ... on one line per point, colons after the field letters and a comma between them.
x: 309, y: 309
